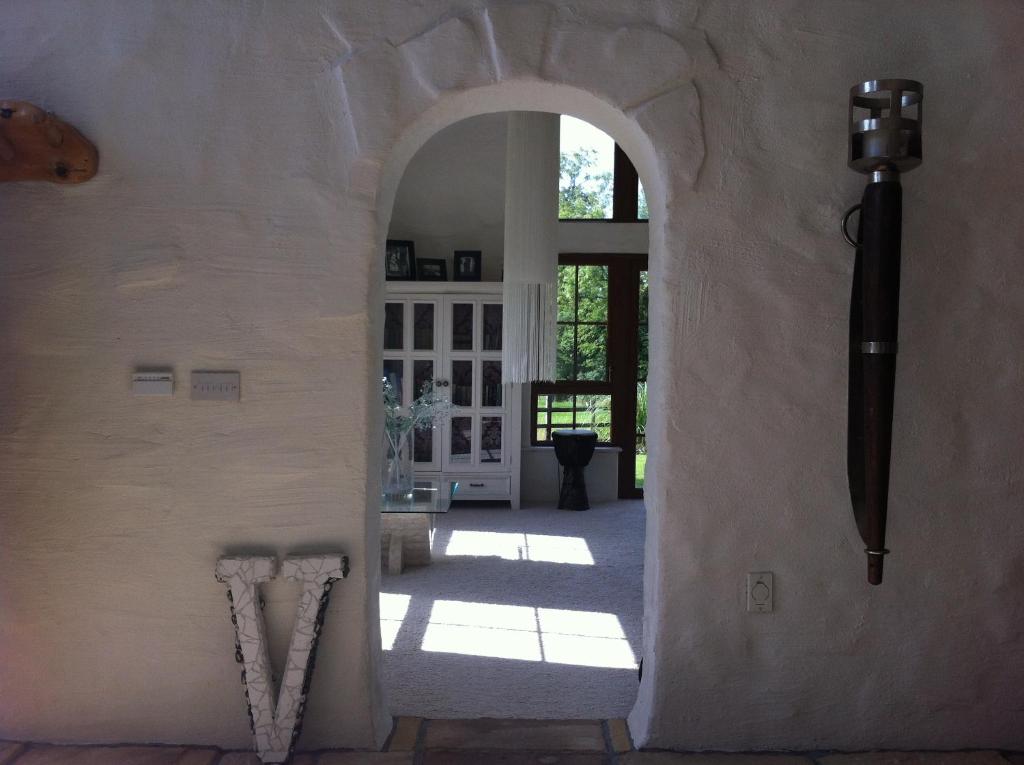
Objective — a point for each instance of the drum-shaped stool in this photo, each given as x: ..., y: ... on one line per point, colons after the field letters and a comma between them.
x: 573, y: 449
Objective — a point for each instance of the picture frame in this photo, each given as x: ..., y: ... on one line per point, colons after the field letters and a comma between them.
x: 399, y: 261
x: 432, y: 270
x: 466, y: 265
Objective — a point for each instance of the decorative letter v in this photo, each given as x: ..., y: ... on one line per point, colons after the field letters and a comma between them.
x: 276, y: 727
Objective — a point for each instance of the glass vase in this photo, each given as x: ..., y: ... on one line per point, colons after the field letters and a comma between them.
x: 397, y: 476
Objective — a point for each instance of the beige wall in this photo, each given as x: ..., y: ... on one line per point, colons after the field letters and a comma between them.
x: 249, y: 157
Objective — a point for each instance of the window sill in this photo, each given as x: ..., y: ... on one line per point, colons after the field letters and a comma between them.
x: 603, y: 220
x: 605, y: 448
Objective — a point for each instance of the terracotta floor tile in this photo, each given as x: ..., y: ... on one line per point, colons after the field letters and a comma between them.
x: 517, y: 735
x: 711, y: 758
x: 240, y: 758
x: 405, y: 734
x: 9, y: 750
x: 618, y: 730
x: 200, y: 757
x: 366, y: 758
x: 465, y: 757
x: 914, y: 758
x: 101, y: 755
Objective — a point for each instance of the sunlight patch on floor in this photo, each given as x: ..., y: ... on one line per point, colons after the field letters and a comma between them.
x: 393, y: 608
x: 543, y: 548
x: 524, y: 633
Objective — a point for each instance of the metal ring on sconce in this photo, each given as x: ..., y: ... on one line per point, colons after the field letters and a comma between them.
x: 874, y: 347
x: 846, y: 219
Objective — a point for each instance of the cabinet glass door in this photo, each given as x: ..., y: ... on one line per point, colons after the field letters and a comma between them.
x: 411, y: 363
x: 394, y: 373
x: 491, y: 441
x: 424, y: 335
x: 462, y: 327
x: 394, y: 326
x: 462, y: 382
x: 491, y: 340
x: 460, y: 450
x: 478, y: 428
x: 490, y: 383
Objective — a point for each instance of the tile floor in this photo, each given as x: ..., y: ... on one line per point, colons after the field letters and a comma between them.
x: 417, y: 741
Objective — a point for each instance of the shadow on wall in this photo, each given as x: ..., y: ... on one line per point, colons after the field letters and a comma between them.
x: 528, y: 614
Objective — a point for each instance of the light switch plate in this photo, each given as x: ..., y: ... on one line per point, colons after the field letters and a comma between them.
x: 153, y: 383
x: 216, y: 386
x: 760, y: 592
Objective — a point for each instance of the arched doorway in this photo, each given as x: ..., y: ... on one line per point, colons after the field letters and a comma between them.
x: 636, y: 83
x: 534, y: 612
x: 519, y: 96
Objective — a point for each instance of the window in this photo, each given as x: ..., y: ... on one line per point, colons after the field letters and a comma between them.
x: 582, y: 396
x: 582, y: 322
x: 597, y: 181
x: 602, y: 359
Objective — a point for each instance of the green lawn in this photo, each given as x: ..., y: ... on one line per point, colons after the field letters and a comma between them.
x: 641, y: 463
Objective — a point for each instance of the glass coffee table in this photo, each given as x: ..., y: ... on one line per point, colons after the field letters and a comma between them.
x: 407, y: 523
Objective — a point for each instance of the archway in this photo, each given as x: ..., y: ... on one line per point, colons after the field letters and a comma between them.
x: 532, y: 57
x: 522, y: 97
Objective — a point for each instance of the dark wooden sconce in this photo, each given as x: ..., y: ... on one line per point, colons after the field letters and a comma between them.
x: 884, y: 141
x: 37, y: 146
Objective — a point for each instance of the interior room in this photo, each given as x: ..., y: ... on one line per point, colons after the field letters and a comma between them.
x: 466, y: 636
x: 227, y: 224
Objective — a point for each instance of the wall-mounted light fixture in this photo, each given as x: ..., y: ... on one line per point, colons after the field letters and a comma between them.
x: 885, y: 140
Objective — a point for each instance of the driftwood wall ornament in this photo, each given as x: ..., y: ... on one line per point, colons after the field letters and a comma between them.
x: 37, y: 146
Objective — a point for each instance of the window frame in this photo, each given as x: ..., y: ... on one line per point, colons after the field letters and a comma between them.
x: 625, y: 193
x: 622, y: 347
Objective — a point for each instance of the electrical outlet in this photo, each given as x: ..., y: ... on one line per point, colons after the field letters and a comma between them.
x: 760, y: 592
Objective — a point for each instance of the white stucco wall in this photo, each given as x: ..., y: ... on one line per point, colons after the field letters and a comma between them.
x: 249, y: 158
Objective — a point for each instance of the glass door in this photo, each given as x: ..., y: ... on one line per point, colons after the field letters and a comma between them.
x: 412, y: 365
x: 492, y: 409
x: 477, y: 425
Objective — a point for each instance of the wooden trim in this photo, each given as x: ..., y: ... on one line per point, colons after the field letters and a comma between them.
x: 625, y: 188
x: 599, y: 259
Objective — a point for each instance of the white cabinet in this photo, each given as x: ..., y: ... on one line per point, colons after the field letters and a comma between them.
x: 449, y: 335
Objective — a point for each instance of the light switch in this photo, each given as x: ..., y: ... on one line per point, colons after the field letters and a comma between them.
x: 153, y: 383
x: 760, y: 592
x: 216, y: 386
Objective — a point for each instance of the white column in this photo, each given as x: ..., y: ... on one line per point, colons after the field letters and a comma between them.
x: 531, y: 248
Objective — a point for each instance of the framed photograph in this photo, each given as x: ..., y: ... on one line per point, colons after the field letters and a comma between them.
x: 431, y: 270
x: 399, y: 261
x: 466, y: 266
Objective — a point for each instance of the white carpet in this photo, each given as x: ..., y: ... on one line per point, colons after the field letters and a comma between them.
x: 534, y: 613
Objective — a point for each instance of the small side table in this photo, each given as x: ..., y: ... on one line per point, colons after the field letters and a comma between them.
x: 407, y: 524
x: 573, y: 449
